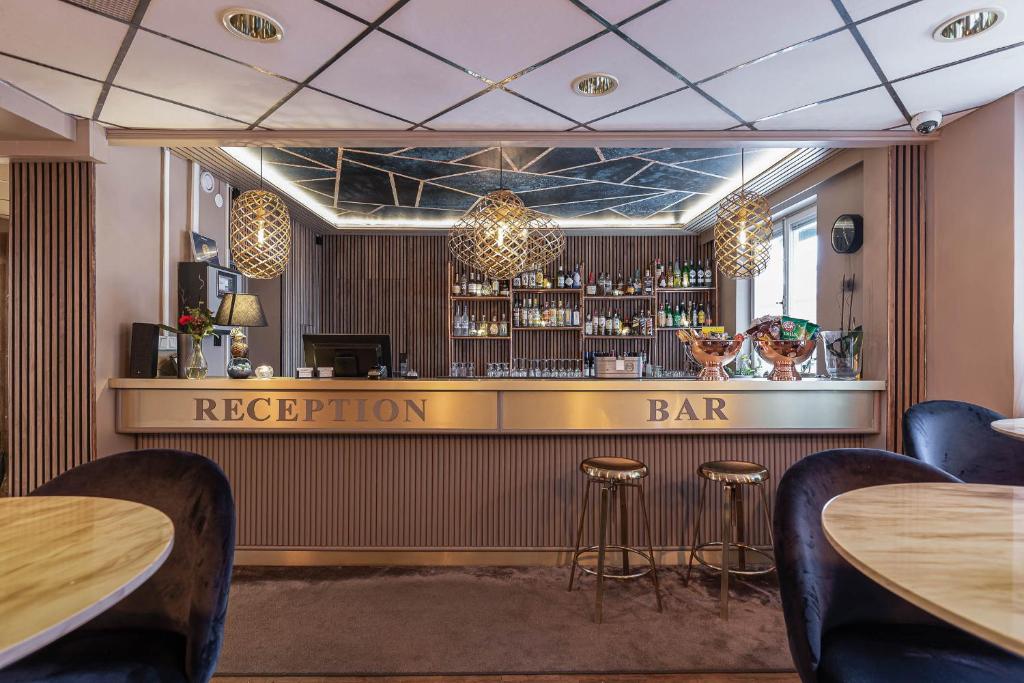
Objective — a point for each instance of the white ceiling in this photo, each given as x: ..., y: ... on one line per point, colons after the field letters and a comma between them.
x: 508, y: 64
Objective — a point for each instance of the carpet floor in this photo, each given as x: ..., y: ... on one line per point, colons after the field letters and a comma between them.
x: 492, y: 620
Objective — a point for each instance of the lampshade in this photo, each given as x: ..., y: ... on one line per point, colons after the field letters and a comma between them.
x: 743, y: 232
x: 261, y: 234
x: 493, y: 236
x: 240, y: 310
x: 547, y: 241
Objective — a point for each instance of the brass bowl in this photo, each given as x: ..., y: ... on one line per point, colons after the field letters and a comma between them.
x: 713, y: 354
x: 785, y: 355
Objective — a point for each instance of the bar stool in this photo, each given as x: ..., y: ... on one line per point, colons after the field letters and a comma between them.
x: 732, y: 475
x: 613, y: 476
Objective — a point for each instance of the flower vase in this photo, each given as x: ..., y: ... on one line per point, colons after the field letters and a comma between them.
x: 197, y: 367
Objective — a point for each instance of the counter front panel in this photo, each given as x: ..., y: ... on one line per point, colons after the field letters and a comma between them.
x: 495, y: 406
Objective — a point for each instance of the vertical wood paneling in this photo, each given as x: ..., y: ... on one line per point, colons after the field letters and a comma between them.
x: 398, y: 285
x: 300, y: 295
x: 51, y: 360
x: 906, y: 301
x: 466, y: 491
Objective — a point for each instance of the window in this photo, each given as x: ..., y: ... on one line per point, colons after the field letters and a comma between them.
x: 789, y: 285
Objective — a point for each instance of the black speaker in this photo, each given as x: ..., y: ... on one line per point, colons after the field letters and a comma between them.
x: 145, y: 350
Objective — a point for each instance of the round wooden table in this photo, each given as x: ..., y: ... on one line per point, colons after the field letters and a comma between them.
x: 64, y: 560
x: 954, y: 550
x: 1012, y: 427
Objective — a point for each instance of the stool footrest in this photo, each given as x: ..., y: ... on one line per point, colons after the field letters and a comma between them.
x: 622, y: 577
x: 735, y: 570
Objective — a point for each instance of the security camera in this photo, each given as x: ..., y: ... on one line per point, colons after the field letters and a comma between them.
x: 926, y: 122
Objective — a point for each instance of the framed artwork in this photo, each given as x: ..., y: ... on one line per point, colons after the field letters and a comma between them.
x: 204, y: 249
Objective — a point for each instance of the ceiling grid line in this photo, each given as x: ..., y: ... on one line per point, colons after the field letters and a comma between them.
x: 122, y: 52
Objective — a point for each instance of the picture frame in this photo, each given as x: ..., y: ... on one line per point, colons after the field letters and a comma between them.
x: 204, y: 249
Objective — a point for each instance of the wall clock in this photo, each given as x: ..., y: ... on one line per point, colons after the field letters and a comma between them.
x: 847, y: 233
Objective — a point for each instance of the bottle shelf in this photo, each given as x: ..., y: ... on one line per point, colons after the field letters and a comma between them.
x: 673, y: 290
x: 611, y: 297
x: 553, y: 328
x: 545, y: 290
x: 618, y: 336
x: 673, y: 329
x: 479, y: 298
x: 487, y: 338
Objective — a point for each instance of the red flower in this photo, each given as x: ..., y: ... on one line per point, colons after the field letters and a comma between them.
x: 184, y: 320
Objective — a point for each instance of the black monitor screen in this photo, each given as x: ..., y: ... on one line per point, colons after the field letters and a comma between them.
x: 351, y: 355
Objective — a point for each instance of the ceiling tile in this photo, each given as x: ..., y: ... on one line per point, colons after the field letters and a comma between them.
x: 816, y: 71
x: 389, y: 75
x: 966, y: 85
x: 860, y: 9
x: 312, y: 33
x: 70, y: 94
x: 617, y: 10
x: 902, y: 41
x: 59, y: 34
x: 699, y: 41
x: 871, y: 110
x: 684, y: 110
x: 639, y: 79
x: 132, y: 110
x: 367, y: 9
x: 497, y: 110
x: 493, y: 37
x: 159, y: 66
x: 311, y: 109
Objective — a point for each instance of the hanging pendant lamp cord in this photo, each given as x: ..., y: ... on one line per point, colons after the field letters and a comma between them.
x: 261, y: 167
x: 501, y: 168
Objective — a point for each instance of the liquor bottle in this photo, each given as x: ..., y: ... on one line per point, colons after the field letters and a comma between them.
x: 599, y: 325
x: 457, y: 286
x: 709, y: 280
x: 516, y: 313
x: 588, y: 327
x: 648, y: 283
x: 661, y: 317
x: 485, y: 287
x: 561, y: 278
x: 677, y: 316
x: 693, y: 276
x: 630, y: 288
x: 616, y: 323
x: 708, y: 318
x: 517, y: 281
x: 620, y: 284
x: 662, y: 282
x: 693, y: 315
x: 701, y: 317
x: 577, y: 279
x: 503, y: 326
x: 685, y: 275
x: 492, y: 329
x: 659, y: 270
x: 481, y: 329
x: 699, y: 282
x: 591, y: 285
x: 560, y: 313
x: 576, y: 316
x: 677, y: 276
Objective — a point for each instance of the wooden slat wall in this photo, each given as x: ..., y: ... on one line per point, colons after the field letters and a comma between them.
x: 907, y: 234
x: 398, y: 285
x: 51, y: 363
x: 300, y: 295
x: 464, y: 491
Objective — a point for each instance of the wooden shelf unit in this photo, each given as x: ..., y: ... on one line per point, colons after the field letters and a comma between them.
x: 583, y: 342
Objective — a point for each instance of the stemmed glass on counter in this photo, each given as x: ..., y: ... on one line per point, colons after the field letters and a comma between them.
x: 553, y: 368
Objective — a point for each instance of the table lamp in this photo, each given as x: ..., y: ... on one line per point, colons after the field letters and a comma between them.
x: 238, y: 311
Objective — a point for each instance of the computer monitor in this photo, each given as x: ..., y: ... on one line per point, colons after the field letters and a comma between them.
x: 351, y: 355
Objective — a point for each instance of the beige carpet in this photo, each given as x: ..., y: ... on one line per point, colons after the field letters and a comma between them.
x: 406, y: 621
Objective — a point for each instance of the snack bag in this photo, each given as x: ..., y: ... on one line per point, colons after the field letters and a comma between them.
x: 792, y: 328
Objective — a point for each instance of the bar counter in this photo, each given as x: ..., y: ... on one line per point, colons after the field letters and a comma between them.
x: 507, y: 406
x: 476, y: 471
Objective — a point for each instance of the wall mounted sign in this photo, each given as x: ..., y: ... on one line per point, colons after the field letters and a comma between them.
x: 527, y: 407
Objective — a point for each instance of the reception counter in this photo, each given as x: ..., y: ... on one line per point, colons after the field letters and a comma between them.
x: 500, y: 406
x: 475, y: 470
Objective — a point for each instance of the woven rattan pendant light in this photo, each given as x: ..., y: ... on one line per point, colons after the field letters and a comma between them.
x: 501, y: 237
x: 743, y: 232
x: 261, y: 232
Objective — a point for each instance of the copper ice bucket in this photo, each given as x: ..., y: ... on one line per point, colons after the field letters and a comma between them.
x: 712, y: 354
x: 784, y: 355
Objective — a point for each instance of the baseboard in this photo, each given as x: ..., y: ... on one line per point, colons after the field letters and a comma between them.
x: 515, y: 557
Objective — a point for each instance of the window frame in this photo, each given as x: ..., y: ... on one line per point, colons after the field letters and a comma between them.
x: 786, y: 222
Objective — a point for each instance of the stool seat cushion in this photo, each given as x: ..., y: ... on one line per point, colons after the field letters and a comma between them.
x: 734, y: 471
x: 108, y: 656
x: 867, y: 652
x: 613, y: 469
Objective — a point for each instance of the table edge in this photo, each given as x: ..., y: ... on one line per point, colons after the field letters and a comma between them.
x: 36, y: 642
x: 952, y: 618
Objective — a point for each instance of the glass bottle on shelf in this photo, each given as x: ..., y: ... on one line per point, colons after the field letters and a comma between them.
x: 577, y: 278
x: 517, y: 281
x: 709, y: 278
x: 591, y: 285
x: 588, y: 326
x: 693, y: 275
x: 560, y: 279
x: 492, y: 329
x: 693, y: 315
x: 503, y: 325
x: 457, y: 286
x: 576, y: 316
x: 648, y: 282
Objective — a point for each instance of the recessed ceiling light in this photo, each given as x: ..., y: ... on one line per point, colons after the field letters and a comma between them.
x: 594, y: 85
x: 252, y: 25
x: 968, y: 24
